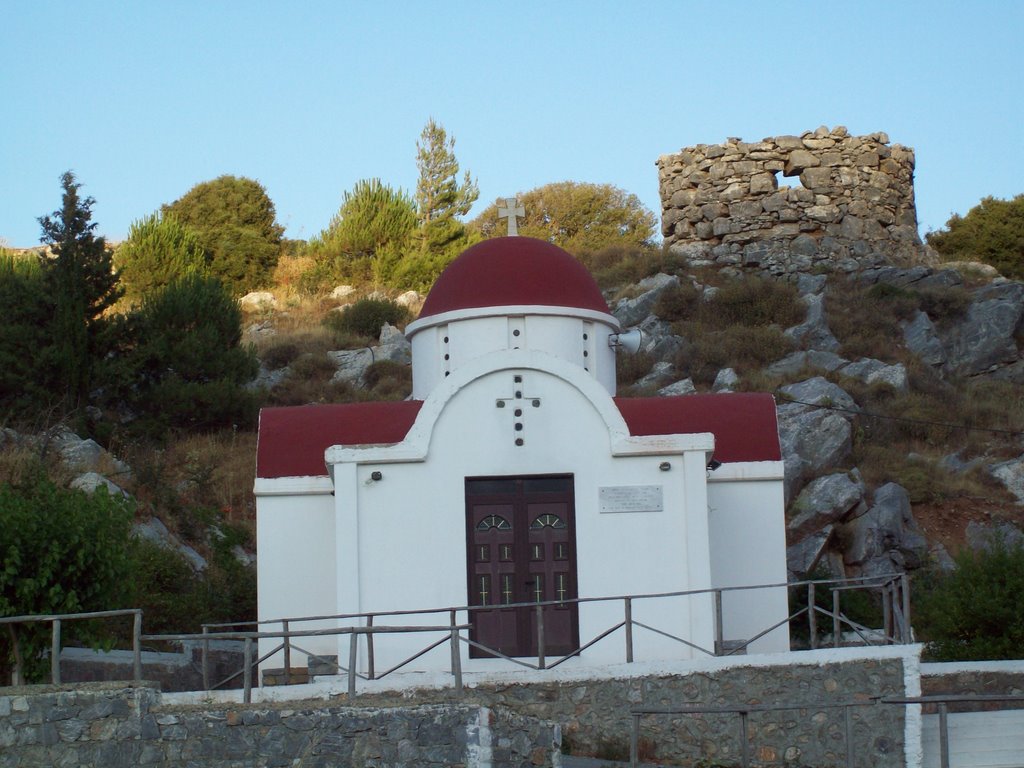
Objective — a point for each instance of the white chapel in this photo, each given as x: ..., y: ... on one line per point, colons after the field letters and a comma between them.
x: 515, y: 475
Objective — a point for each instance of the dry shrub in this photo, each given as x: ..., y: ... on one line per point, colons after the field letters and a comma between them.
x: 217, y: 470
x: 630, y: 368
x: 620, y: 265
x: 288, y: 273
x: 678, y: 302
x: 388, y: 380
x: 742, y: 348
x: 754, y: 302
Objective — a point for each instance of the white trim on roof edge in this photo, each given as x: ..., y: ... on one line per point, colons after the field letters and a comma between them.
x: 472, y: 313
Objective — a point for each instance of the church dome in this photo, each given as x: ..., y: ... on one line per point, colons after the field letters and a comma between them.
x: 514, y: 271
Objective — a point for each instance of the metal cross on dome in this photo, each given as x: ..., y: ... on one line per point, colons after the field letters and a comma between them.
x: 510, y: 208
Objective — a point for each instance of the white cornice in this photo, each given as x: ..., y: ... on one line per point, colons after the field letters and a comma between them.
x: 510, y: 310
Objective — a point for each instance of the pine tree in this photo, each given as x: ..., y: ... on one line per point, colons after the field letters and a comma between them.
x: 159, y: 249
x: 440, y: 198
x: 82, y: 285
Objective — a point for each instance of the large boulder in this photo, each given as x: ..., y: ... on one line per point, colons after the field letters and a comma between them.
x: 630, y: 312
x: 1011, y: 474
x: 813, y: 332
x: 921, y: 339
x: 352, y: 363
x: 816, y: 392
x: 824, y: 501
x: 872, y: 371
x: 812, y: 441
x: 258, y: 301
x: 81, y: 455
x: 803, y: 360
x: 885, y: 539
x: 90, y: 482
x: 981, y: 537
x: 802, y: 557
x: 985, y: 339
x: 155, y: 531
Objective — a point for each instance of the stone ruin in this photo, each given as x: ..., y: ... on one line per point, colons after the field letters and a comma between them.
x: 850, y: 206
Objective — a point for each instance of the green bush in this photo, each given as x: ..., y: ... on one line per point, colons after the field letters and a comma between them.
x: 158, y: 251
x: 366, y: 316
x: 188, y: 366
x: 977, y: 611
x: 678, y: 302
x: 61, y: 551
x: 991, y: 232
x: 388, y: 380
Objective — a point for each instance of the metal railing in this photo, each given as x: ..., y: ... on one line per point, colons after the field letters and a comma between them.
x: 894, y: 590
x: 744, y: 711
x: 56, y: 620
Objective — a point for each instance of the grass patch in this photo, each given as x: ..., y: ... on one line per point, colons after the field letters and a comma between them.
x: 746, y: 349
x: 620, y: 265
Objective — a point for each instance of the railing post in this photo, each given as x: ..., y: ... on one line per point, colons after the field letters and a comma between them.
x: 287, y: 641
x: 812, y: 616
x: 206, y: 658
x: 540, y: 637
x: 629, y: 630
x: 887, y: 615
x: 719, y: 626
x: 247, y: 674
x: 369, y: 647
x: 456, y: 655
x: 744, y: 748
x: 353, y: 647
x: 137, y: 646
x: 905, y: 589
x: 837, y: 627
x: 943, y: 736
x: 55, y: 653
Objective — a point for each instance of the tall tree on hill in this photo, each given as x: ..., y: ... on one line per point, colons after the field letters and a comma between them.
x: 159, y: 249
x: 991, y: 232
x: 577, y: 216
x: 440, y: 198
x: 235, y: 221
x: 82, y: 285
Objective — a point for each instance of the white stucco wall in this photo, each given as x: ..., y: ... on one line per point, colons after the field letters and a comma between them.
x: 295, y: 533
x: 748, y: 547
x: 411, y: 525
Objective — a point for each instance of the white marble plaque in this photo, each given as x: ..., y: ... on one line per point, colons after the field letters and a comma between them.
x: 630, y: 498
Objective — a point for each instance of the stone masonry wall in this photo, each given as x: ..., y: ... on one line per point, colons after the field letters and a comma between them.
x: 855, y: 208
x: 118, y: 726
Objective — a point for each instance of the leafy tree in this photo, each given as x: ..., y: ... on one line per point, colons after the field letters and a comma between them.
x: 992, y: 232
x: 23, y: 334
x: 977, y: 611
x: 188, y: 365
x: 82, y: 285
x: 60, y: 552
x: 366, y: 238
x: 577, y: 216
x: 366, y: 316
x: 159, y: 249
x: 235, y: 221
x: 440, y: 198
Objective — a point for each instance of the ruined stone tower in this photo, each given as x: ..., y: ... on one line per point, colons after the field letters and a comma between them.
x: 849, y: 205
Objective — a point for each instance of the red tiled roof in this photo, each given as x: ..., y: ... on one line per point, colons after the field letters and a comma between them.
x: 743, y: 424
x: 292, y: 441
x: 514, y: 271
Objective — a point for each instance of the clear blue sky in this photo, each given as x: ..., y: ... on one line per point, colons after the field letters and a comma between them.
x: 145, y: 99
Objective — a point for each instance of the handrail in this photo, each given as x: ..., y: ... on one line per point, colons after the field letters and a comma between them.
x: 55, y: 637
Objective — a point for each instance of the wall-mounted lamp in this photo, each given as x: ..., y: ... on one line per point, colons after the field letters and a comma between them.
x: 713, y: 465
x: 664, y: 466
x: 376, y: 475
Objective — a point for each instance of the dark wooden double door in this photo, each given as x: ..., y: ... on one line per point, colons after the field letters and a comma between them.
x: 522, y: 549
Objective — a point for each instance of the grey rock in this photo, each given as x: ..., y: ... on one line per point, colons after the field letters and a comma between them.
x: 812, y: 441
x: 409, y: 299
x: 268, y: 379
x: 90, y: 481
x: 155, y: 531
x: 725, y: 380
x: 798, y: 361
x: 981, y: 537
x: 814, y: 332
x: 661, y: 373
x: 953, y: 463
x: 816, y: 391
x: 824, y: 501
x: 630, y: 312
x: 939, y: 557
x: 684, y: 387
x: 921, y: 339
x: 258, y: 300
x: 1011, y: 474
x: 353, y: 363
x: 872, y: 371
x: 986, y: 337
x: 810, y: 284
x: 342, y: 292
x: 802, y: 557
x: 943, y: 278
x: 85, y: 455
x: 885, y: 539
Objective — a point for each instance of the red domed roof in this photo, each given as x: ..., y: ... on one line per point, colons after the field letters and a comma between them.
x: 514, y: 271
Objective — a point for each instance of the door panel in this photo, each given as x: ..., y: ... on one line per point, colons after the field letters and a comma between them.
x: 521, y: 549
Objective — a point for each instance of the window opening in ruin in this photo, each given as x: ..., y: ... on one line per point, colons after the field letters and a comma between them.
x: 788, y: 181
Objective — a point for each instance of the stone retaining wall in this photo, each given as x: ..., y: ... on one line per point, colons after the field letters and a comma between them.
x: 853, y: 205
x: 115, y: 726
x: 986, y: 678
